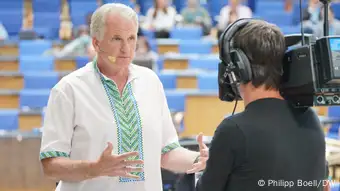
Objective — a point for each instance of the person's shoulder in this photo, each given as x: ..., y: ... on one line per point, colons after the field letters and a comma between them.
x: 144, y: 72
x: 226, y: 8
x: 151, y: 10
x: 71, y: 79
x: 245, y: 9
x: 229, y: 124
x: 172, y: 9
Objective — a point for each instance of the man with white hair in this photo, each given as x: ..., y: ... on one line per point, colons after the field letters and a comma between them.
x: 107, y: 125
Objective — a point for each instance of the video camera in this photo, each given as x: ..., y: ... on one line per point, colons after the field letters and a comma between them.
x: 311, y: 71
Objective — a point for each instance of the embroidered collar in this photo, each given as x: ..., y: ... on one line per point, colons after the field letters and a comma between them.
x: 133, y: 73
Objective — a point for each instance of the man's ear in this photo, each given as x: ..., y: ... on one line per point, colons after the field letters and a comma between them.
x: 95, y: 44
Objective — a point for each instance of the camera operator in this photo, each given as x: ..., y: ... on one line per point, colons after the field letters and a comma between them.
x: 270, y: 143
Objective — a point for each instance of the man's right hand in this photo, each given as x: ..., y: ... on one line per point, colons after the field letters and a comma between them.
x: 116, y: 165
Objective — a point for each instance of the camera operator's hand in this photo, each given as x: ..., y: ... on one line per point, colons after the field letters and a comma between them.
x: 116, y: 165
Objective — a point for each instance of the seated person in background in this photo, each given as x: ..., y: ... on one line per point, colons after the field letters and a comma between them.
x: 196, y: 15
x: 312, y: 12
x: 160, y: 19
x: 230, y: 13
x: 77, y: 47
x: 144, y: 52
x: 134, y: 5
x: 177, y: 119
x: 65, y: 31
x: 288, y: 5
x: 3, y: 32
x: 334, y: 24
x: 91, y: 52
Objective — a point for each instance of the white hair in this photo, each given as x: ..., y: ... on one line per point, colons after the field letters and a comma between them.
x: 98, y: 19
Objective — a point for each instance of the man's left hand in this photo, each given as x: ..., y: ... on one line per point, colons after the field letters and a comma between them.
x: 203, y: 157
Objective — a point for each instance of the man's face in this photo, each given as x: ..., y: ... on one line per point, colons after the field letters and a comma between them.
x: 314, y: 1
x: 192, y: 3
x: 234, y: 3
x: 162, y: 3
x: 119, y: 40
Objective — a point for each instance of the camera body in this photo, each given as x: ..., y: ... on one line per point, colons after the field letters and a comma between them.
x: 311, y: 72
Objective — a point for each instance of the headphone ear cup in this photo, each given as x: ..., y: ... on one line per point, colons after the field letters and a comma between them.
x: 243, y: 66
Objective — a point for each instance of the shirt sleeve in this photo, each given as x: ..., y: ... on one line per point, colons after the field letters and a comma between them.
x: 169, y: 133
x: 224, y: 18
x: 225, y: 153
x: 58, y: 126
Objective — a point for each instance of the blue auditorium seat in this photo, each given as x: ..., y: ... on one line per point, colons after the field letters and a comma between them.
x: 195, y: 47
x: 334, y: 112
x: 49, y: 20
x: 290, y: 29
x: 148, y: 33
x: 207, y: 82
x: 12, y: 21
x: 262, y: 6
x: 34, y: 99
x: 36, y: 63
x: 176, y: 100
x: 78, y: 18
x: 186, y: 33
x: 51, y: 6
x: 279, y: 18
x: 335, y: 186
x: 125, y: 2
x: 296, y: 12
x: 40, y: 80
x: 160, y: 62
x: 153, y: 44
x: 34, y: 47
x: 81, y: 61
x: 216, y: 6
x: 336, y: 10
x: 169, y: 81
x: 83, y: 6
x: 79, y: 10
x: 204, y: 63
x: 145, y: 5
x: 9, y: 120
x: 14, y: 5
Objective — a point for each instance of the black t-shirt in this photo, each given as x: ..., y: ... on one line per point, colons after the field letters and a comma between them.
x: 269, y: 146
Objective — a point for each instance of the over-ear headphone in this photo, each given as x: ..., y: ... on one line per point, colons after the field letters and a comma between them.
x: 234, y: 67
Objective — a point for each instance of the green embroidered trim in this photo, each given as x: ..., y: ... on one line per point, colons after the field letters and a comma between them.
x: 127, y: 118
x: 129, y: 124
x: 170, y: 147
x: 52, y: 154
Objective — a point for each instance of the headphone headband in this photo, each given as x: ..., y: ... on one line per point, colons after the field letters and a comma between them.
x: 226, y: 37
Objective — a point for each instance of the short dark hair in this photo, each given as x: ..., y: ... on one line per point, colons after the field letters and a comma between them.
x: 264, y: 45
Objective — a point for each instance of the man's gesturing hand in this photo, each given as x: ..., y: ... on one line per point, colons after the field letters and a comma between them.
x: 116, y: 165
x: 203, y: 157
